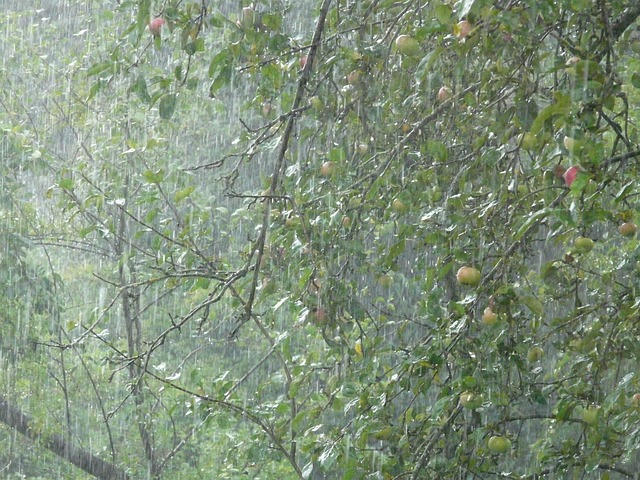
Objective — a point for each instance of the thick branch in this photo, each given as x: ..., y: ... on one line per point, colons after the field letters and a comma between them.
x: 93, y: 465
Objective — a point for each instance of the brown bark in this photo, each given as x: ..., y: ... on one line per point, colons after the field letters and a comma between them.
x: 93, y: 465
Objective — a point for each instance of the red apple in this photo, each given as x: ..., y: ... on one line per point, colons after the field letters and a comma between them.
x: 353, y: 77
x: 303, y: 61
x: 155, y: 26
x: 468, y: 276
x: 328, y: 169
x: 320, y: 316
x: 444, y: 94
x: 570, y: 175
x: 462, y: 29
x: 628, y: 229
x: 635, y: 400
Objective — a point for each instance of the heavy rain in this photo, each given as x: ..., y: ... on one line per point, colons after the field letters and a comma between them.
x: 336, y: 239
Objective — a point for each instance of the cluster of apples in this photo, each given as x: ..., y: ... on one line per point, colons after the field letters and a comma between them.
x: 407, y: 45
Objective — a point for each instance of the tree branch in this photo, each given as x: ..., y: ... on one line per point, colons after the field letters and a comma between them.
x: 93, y: 465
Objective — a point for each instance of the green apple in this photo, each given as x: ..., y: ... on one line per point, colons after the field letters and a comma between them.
x: 315, y: 103
x: 468, y: 276
x: 590, y: 414
x: 635, y: 400
x: 499, y: 444
x: 527, y: 140
x: 407, y: 45
x: 569, y: 144
x: 398, y: 206
x: 535, y: 354
x: 583, y: 245
x: 628, y: 229
x: 470, y: 400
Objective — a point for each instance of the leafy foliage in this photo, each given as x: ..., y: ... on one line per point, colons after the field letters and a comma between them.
x: 254, y: 219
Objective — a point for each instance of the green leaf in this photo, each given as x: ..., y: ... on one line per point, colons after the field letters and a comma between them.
x: 580, y: 182
x: 221, y: 80
x: 535, y: 217
x: 154, y: 177
x: 139, y: 87
x: 218, y: 61
x: 560, y: 107
x: 167, y: 106
x: 182, y: 194
x: 533, y: 304
x: 272, y: 21
x: 97, y: 68
x: 443, y: 13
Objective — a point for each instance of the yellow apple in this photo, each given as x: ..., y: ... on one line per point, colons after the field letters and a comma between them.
x: 628, y: 229
x: 489, y: 317
x: 398, y: 206
x: 468, y: 276
x: 353, y: 77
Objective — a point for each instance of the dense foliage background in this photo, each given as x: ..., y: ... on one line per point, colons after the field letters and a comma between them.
x: 230, y: 239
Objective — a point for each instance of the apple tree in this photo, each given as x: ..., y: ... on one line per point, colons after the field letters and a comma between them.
x: 384, y: 239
